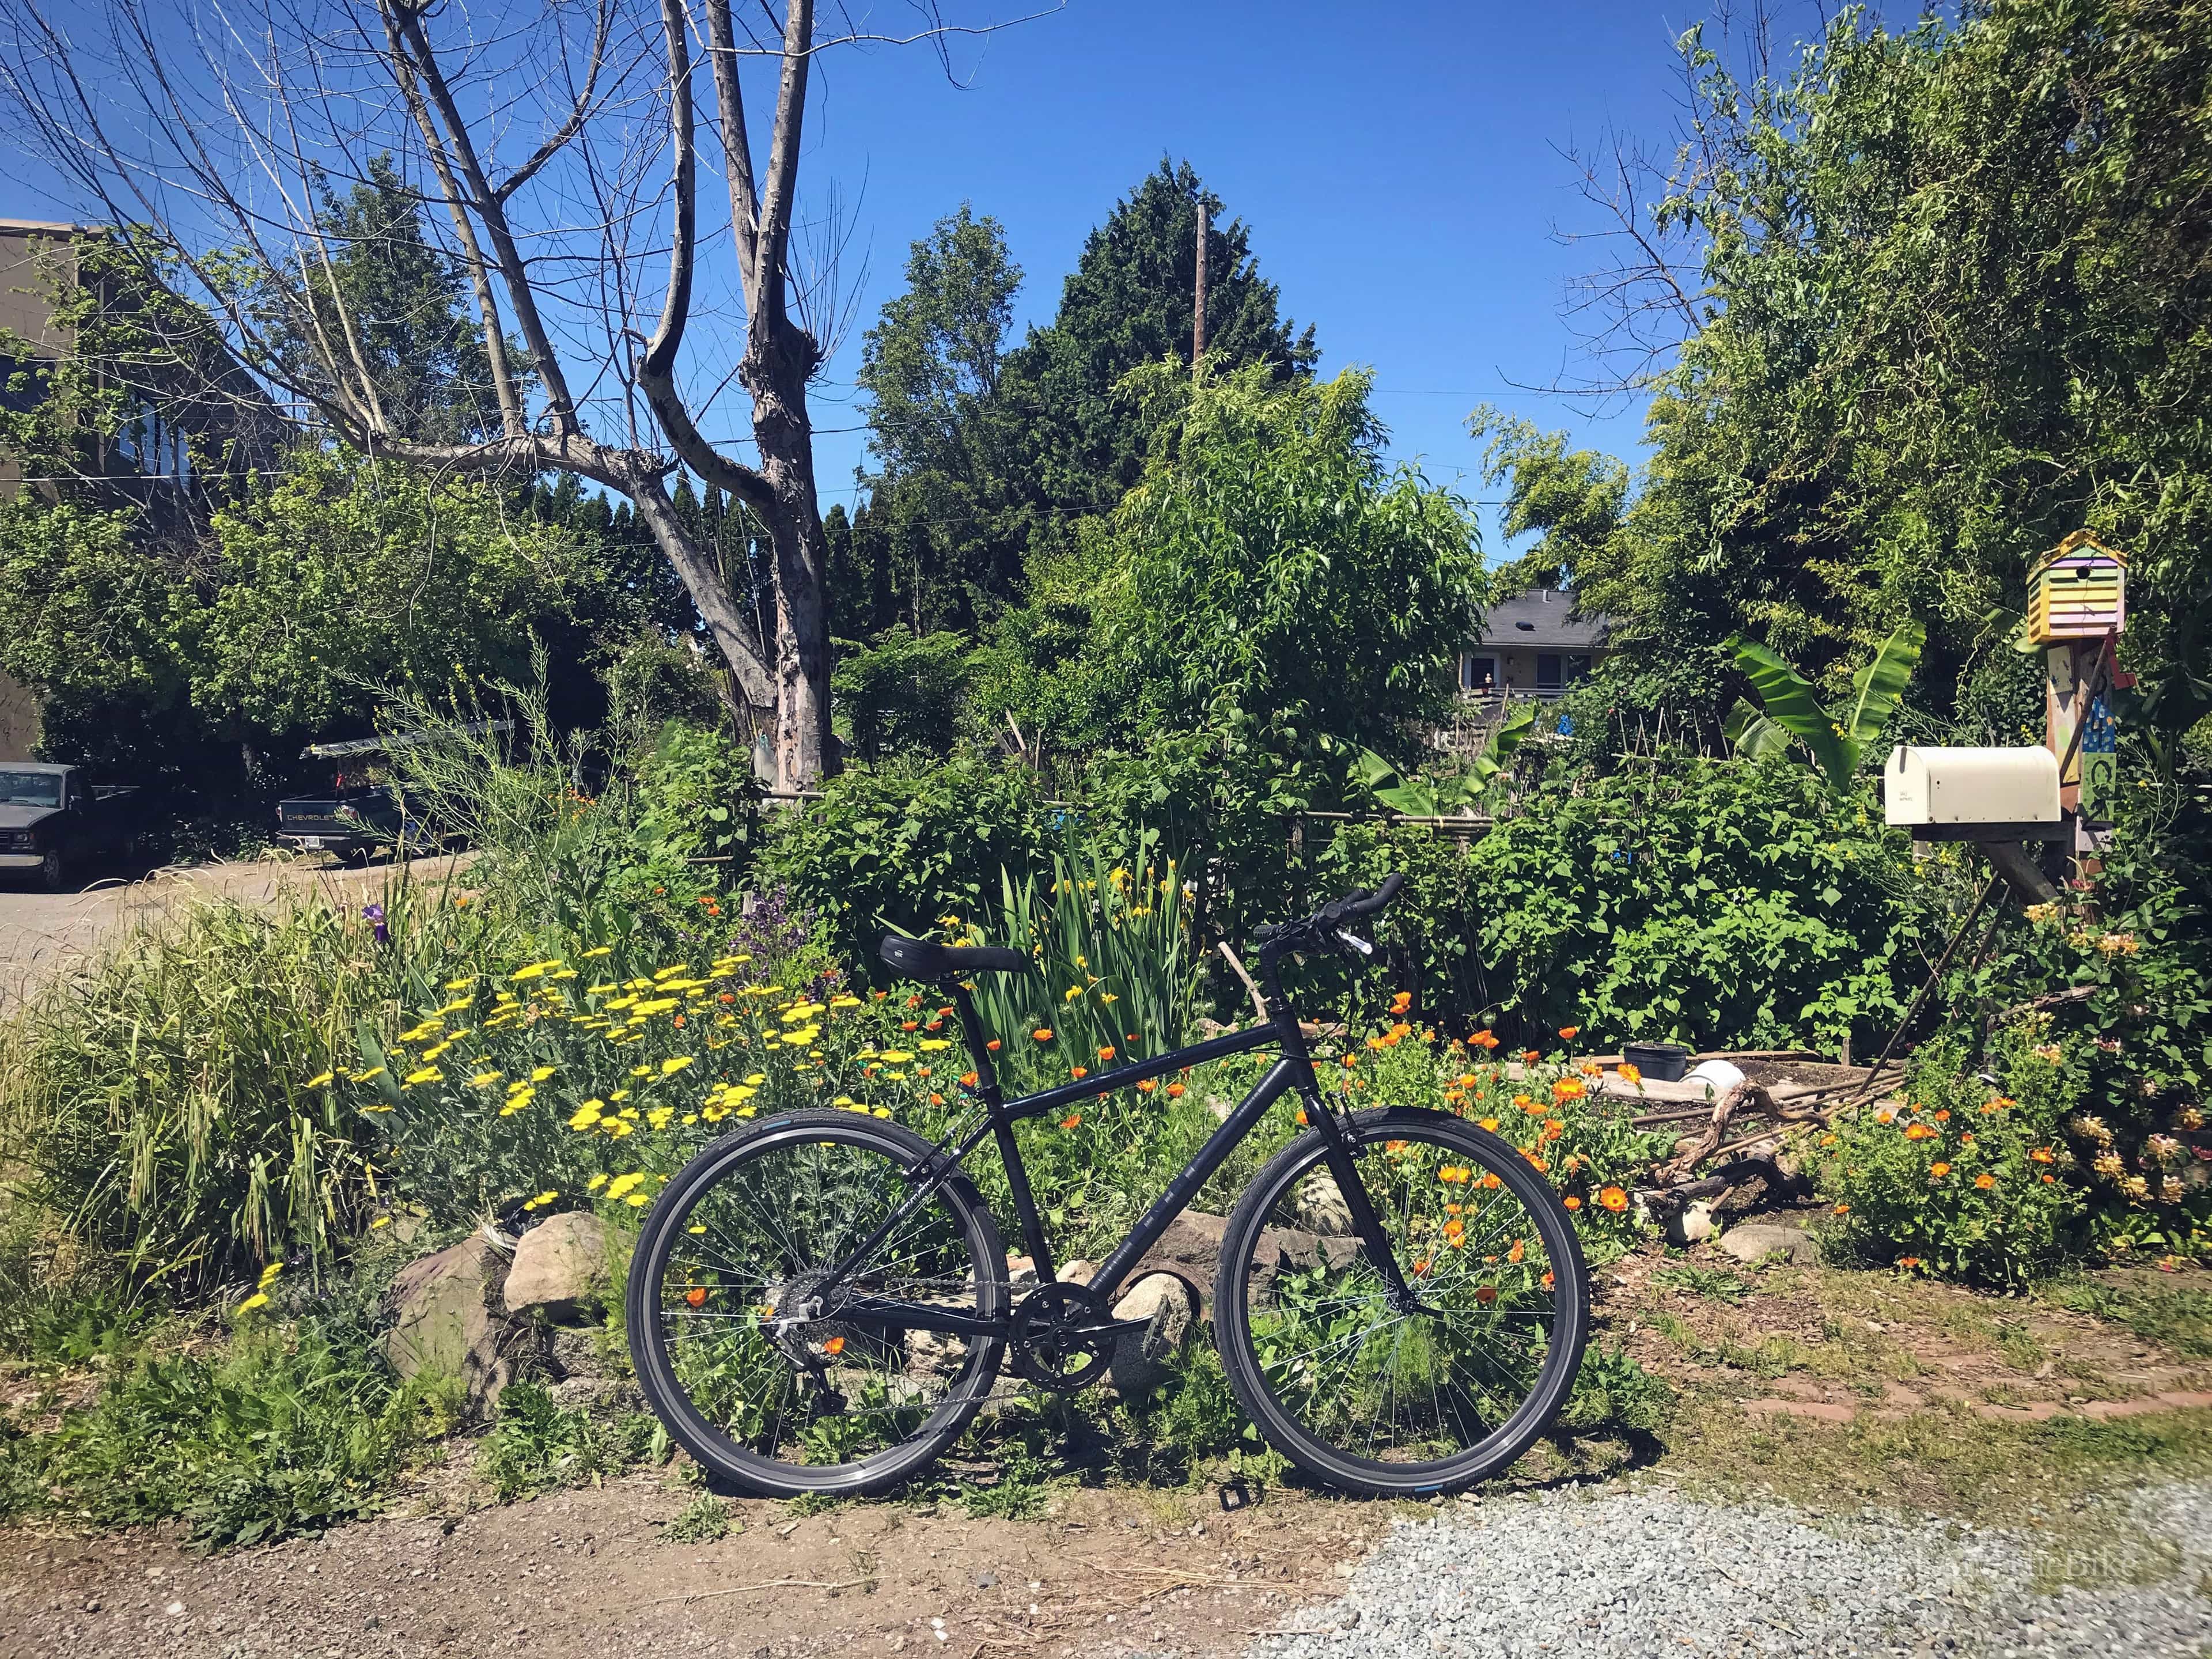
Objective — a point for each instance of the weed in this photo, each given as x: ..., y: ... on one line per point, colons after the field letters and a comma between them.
x: 1017, y: 1495
x: 2018, y: 1346
x: 538, y: 1445
x: 1711, y: 1283
x: 705, y: 1520
x: 1613, y: 1390
x: 1676, y: 1330
x: 286, y: 1432
x: 813, y: 1503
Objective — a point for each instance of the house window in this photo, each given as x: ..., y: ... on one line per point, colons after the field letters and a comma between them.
x: 1477, y: 675
x: 1550, y: 668
x: 1577, y: 668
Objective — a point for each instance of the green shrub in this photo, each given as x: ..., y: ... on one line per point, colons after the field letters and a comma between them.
x: 903, y: 846
x: 705, y: 1520
x: 697, y: 797
x: 1613, y: 1390
x: 1717, y: 905
x: 1962, y: 1180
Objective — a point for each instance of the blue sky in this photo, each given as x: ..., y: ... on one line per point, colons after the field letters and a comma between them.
x: 1397, y: 165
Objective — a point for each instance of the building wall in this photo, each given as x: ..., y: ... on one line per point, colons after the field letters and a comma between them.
x: 27, y: 249
x: 1517, y: 666
x: 19, y: 721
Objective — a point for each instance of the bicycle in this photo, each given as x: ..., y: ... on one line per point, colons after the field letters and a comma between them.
x: 821, y: 1304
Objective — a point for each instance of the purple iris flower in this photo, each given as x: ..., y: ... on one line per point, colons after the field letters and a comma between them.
x: 374, y: 914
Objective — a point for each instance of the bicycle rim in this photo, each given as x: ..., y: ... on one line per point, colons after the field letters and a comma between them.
x: 736, y: 1333
x: 1369, y: 1396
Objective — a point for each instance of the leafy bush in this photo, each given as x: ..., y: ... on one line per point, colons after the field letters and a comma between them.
x: 902, y: 846
x: 902, y: 695
x: 1962, y: 1180
x: 1717, y: 905
x: 697, y: 797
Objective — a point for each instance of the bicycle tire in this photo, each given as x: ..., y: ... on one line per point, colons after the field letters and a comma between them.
x: 1242, y: 1285
x: 668, y: 1224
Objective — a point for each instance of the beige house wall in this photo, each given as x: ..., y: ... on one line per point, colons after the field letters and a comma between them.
x: 19, y: 721
x: 29, y: 249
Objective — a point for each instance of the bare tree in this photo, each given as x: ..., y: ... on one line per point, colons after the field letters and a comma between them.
x: 560, y: 145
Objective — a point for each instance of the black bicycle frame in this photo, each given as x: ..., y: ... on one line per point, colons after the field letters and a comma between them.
x: 1294, y: 1069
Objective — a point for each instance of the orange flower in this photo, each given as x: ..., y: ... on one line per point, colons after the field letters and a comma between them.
x: 1553, y: 1128
x: 1490, y: 1180
x: 1079, y: 1071
x: 1568, y: 1033
x: 909, y: 1025
x: 1042, y: 1034
x: 1491, y: 1124
x: 1572, y: 1202
x: 1842, y: 1209
x: 1943, y: 1117
x: 971, y: 1079
x: 1351, y: 1060
x: 1938, y: 1170
x: 1455, y: 1227
x: 1174, y: 1092
x: 1567, y: 1088
x: 1147, y: 1085
x: 1302, y: 1117
x: 1420, y: 1267
x: 1519, y: 1250
x: 992, y: 1045
x: 696, y: 1296
x: 1918, y: 1131
x: 1547, y: 1280
x: 727, y: 996
x: 1396, y: 1148
x: 1908, y: 1262
x: 1612, y: 1199
x: 1401, y: 1002
x: 834, y: 1346
x: 1486, y: 1294
x: 1627, y: 1072
x: 1071, y: 1119
x: 679, y: 1022
x: 1536, y: 1164
x: 1484, y: 1039
x: 1985, y: 1181
x: 936, y: 1099
x: 2048, y: 1179
x: 1530, y: 1056
x: 1106, y: 1051
x: 2041, y: 1155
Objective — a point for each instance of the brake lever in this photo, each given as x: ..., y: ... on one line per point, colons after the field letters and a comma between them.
x: 1365, y: 947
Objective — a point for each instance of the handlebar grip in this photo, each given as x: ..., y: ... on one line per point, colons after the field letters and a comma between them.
x: 1361, y: 906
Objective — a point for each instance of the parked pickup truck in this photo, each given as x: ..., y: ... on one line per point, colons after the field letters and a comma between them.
x: 54, y: 820
x: 349, y: 819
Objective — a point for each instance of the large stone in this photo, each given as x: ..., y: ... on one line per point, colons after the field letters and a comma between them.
x: 1143, y: 1359
x: 560, y: 1263
x: 1755, y: 1241
x: 449, y: 1319
x: 1321, y: 1207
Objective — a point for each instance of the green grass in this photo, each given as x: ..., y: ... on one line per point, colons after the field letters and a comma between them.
x: 1711, y: 1283
x: 2179, y: 1318
x: 705, y: 1520
x: 538, y: 1446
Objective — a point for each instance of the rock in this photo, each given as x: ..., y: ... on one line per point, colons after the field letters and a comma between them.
x: 1191, y: 1247
x: 1693, y: 1223
x: 1755, y: 1241
x: 560, y: 1263
x: 578, y: 1351
x: 1321, y: 1207
x: 449, y: 1319
x: 1140, y: 1360
x: 1020, y: 1270
x: 1078, y: 1272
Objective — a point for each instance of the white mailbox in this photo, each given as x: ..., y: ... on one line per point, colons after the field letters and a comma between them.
x: 1958, y: 794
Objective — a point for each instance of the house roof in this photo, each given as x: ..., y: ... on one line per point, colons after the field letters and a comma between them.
x: 1542, y: 618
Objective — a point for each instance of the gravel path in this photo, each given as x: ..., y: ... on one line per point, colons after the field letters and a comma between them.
x: 1653, y: 1572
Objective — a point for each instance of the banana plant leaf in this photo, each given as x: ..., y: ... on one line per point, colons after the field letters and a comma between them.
x: 1786, y: 698
x: 1879, y: 687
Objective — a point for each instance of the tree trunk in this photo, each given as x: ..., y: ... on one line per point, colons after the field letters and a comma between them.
x: 732, y: 632
x: 776, y: 379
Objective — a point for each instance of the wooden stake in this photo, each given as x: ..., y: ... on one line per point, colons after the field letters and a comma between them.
x: 1197, y: 297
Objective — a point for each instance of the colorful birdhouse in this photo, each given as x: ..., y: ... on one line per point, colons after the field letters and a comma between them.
x: 2077, y: 591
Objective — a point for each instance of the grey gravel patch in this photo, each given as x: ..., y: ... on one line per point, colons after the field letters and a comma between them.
x: 1651, y: 1572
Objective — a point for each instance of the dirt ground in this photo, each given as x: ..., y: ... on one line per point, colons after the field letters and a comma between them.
x: 1830, y: 1389
x: 41, y: 933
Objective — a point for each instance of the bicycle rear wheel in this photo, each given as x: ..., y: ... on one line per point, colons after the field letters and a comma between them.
x: 735, y: 1337
x: 1392, y: 1401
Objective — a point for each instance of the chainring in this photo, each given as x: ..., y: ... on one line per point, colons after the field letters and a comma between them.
x: 1049, y: 1346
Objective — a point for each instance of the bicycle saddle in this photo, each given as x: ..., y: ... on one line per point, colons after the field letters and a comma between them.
x: 918, y: 959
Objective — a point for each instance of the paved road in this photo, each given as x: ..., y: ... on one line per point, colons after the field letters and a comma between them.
x: 41, y: 933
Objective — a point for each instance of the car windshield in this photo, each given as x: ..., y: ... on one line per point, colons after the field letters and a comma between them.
x: 31, y: 788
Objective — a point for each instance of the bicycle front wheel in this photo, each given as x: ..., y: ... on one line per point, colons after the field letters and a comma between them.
x: 1390, y: 1400
x: 735, y: 1328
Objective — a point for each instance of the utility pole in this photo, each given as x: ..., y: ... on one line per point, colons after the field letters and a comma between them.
x: 1198, y: 307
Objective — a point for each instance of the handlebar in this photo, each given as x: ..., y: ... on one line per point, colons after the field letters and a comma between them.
x: 1325, y: 927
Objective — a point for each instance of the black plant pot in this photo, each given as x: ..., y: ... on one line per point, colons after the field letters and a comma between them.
x: 1662, y: 1063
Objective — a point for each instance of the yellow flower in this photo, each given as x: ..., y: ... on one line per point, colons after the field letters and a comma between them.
x: 460, y: 984
x: 1073, y: 992
x: 483, y: 1077
x: 541, y: 1074
x: 257, y: 1300
x: 659, y: 1116
x: 269, y: 1275
x: 670, y: 1067
x: 380, y: 1221
x: 595, y: 1183
x: 755, y: 1079
x: 318, y: 1082
x: 536, y: 970
x: 586, y: 1114
x: 932, y: 1043
x: 623, y: 1183
x: 636, y: 1200
x: 598, y: 951
x: 428, y: 1074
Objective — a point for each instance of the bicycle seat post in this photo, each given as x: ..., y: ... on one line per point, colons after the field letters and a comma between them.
x: 979, y: 1056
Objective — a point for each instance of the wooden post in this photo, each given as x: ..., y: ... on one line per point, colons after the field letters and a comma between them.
x: 1197, y: 297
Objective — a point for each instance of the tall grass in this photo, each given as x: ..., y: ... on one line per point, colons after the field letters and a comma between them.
x: 168, y: 1108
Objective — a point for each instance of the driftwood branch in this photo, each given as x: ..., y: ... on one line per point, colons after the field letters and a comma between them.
x: 2042, y: 1005
x: 1236, y: 967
